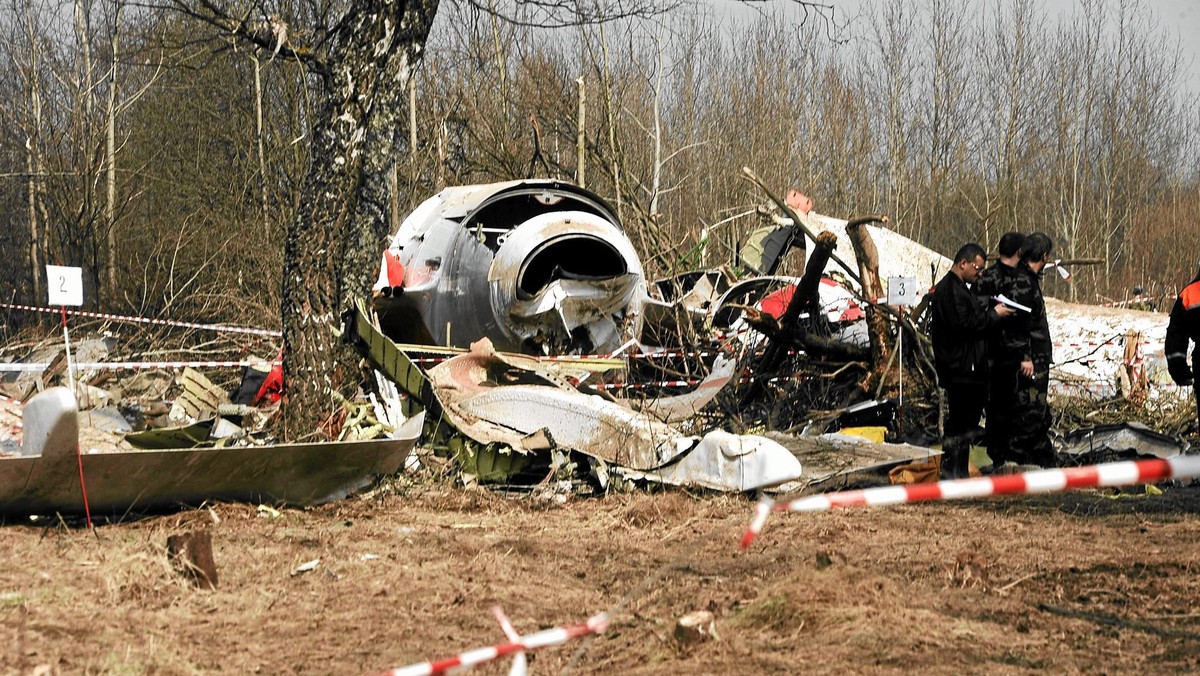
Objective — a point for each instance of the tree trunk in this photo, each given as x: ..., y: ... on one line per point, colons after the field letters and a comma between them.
x: 882, y: 342
x: 334, y: 241
x: 110, y: 161
x: 259, y: 134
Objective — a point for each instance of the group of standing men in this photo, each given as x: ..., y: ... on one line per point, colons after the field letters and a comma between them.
x: 992, y: 352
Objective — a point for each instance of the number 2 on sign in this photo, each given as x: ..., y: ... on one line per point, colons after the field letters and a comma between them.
x: 66, y: 285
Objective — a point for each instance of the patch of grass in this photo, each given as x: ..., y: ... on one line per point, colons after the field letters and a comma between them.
x: 1015, y: 659
x: 777, y: 613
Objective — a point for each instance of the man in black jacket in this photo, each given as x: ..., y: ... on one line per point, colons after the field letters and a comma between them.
x: 1004, y: 355
x: 1030, y: 418
x: 1184, y: 326
x: 961, y: 322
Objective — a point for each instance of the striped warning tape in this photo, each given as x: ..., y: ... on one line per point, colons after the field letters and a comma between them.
x: 1100, y: 344
x: 146, y: 320
x: 1138, y: 299
x: 689, y: 383
x: 583, y: 357
x: 134, y: 365
x: 1041, y: 481
x: 596, y: 624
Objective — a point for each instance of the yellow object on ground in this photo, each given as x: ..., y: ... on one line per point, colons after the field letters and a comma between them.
x: 875, y: 434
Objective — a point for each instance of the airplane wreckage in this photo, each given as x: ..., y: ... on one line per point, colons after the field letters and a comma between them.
x: 576, y: 367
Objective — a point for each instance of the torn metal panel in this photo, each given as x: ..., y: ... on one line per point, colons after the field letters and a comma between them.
x: 199, y: 397
x: 45, y: 478
x: 185, y: 436
x: 1115, y: 442
x: 504, y: 408
x: 681, y: 407
x: 839, y: 461
x: 493, y: 401
x: 726, y: 462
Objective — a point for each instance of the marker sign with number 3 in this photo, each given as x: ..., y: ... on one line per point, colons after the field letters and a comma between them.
x: 65, y: 285
x: 903, y: 291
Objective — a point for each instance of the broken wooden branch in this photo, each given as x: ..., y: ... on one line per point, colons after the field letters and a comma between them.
x: 749, y: 175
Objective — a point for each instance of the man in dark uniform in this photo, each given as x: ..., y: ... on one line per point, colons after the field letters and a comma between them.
x: 1004, y: 354
x: 1185, y: 326
x: 961, y: 321
x: 1030, y: 417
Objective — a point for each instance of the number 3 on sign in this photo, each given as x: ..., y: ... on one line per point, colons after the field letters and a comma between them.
x: 65, y: 285
x: 903, y: 291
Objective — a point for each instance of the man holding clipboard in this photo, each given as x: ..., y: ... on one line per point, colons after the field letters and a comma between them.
x: 960, y: 326
x: 1004, y: 347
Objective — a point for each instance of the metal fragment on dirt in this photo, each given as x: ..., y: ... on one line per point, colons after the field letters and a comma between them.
x: 45, y: 478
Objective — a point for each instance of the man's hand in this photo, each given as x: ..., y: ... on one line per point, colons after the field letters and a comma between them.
x: 1027, y: 369
x: 1178, y: 368
x: 1003, y: 310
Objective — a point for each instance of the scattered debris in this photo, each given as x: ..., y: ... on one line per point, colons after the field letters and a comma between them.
x: 701, y: 379
x: 45, y: 477
x: 508, y: 408
x: 306, y: 567
x: 1118, y: 441
x: 696, y: 627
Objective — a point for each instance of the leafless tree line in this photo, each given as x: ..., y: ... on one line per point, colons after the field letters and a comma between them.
x: 166, y: 162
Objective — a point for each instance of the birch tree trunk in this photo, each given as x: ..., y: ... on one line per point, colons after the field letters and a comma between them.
x: 333, y: 242
x: 110, y: 159
x: 33, y: 164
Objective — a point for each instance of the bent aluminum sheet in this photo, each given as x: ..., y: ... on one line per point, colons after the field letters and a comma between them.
x: 1116, y: 441
x: 839, y: 461
x: 495, y: 401
x: 46, y: 478
x: 725, y: 461
x: 684, y: 406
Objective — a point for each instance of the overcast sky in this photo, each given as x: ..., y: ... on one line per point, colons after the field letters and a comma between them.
x: 1178, y: 18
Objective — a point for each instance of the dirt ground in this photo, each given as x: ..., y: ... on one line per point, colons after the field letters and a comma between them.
x: 1091, y: 581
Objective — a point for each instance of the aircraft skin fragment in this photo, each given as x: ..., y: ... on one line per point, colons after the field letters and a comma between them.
x: 494, y: 400
x: 45, y: 478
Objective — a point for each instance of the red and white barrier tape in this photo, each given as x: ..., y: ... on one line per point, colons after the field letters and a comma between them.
x: 550, y: 637
x: 1138, y: 299
x: 146, y: 320
x: 134, y: 365
x: 1041, y: 481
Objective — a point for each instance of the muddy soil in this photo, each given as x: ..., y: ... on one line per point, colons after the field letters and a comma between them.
x: 1092, y: 581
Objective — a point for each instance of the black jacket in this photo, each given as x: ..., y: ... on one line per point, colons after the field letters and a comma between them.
x: 1009, y: 342
x: 1031, y: 335
x: 960, y: 323
x: 1184, y: 326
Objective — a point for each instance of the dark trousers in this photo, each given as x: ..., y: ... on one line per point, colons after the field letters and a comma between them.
x: 1003, y: 384
x: 1030, y: 420
x: 964, y: 406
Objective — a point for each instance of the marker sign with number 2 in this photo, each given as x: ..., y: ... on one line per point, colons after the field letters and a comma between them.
x: 65, y: 285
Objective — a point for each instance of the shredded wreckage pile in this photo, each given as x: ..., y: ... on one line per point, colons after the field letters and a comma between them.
x: 577, y: 378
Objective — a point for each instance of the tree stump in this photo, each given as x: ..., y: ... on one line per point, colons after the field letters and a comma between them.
x: 191, y: 554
